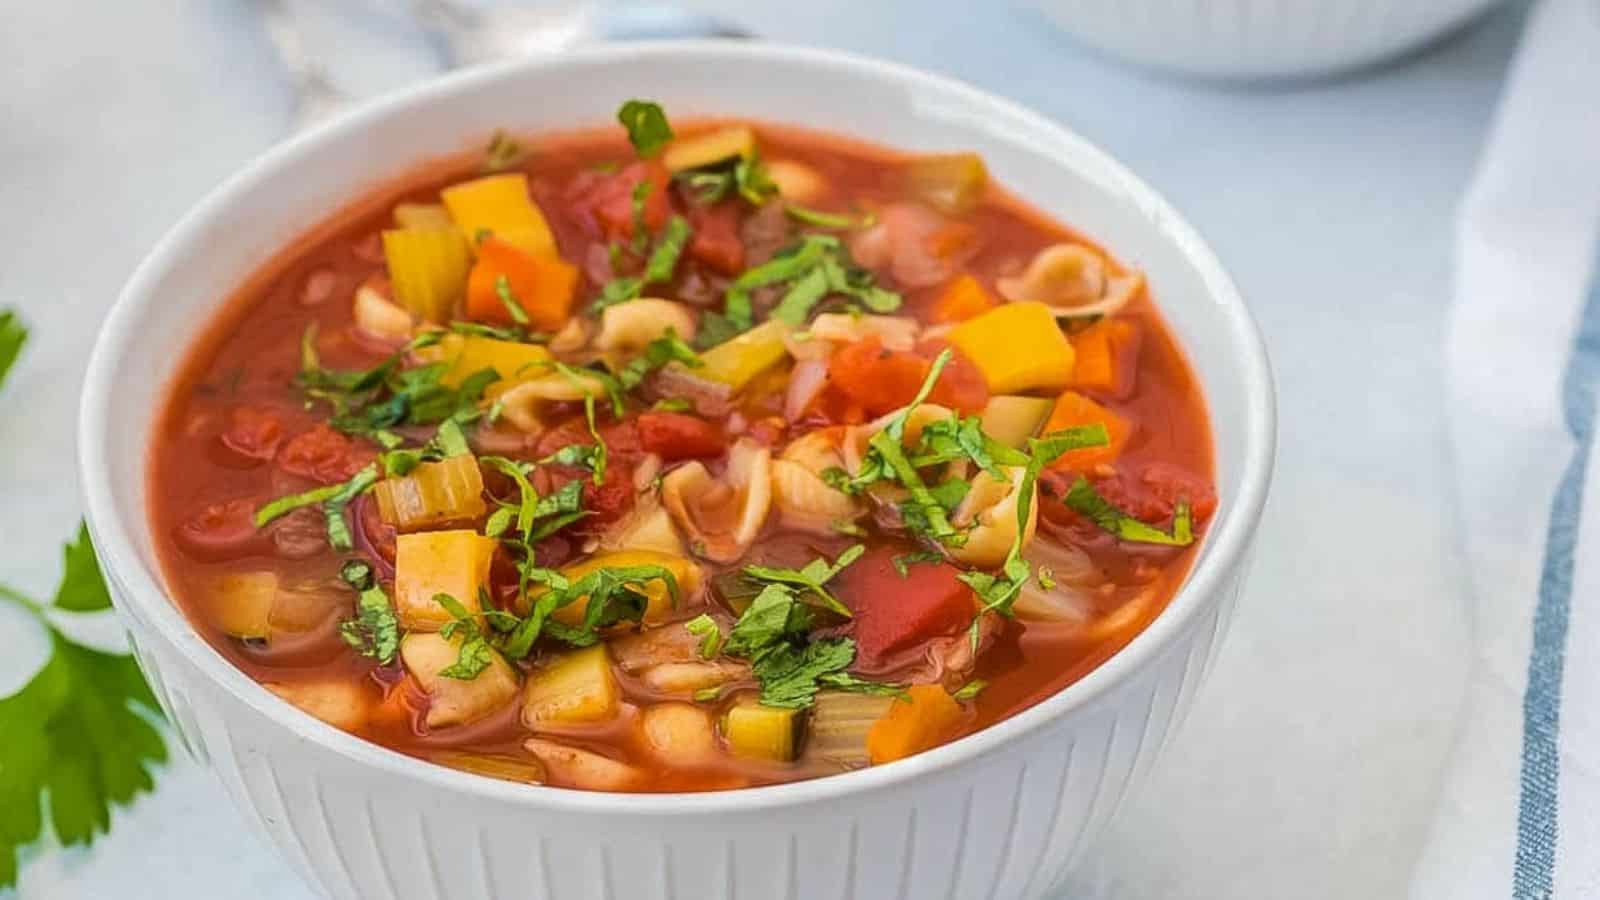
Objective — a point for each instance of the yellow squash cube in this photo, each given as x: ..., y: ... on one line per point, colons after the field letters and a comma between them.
x: 575, y: 689
x: 430, y: 563
x: 659, y: 603
x: 1018, y: 347
x: 500, y: 205
x: 455, y: 701
x: 471, y: 354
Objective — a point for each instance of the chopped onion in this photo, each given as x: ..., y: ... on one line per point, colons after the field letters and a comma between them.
x: 1074, y: 574
x: 806, y: 381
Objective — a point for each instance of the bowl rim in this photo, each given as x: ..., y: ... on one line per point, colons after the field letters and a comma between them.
x: 144, y: 599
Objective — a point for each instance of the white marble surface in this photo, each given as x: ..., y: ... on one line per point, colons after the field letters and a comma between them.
x: 1309, y: 766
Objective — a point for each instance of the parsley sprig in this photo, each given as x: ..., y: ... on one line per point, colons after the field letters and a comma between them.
x: 1086, y: 501
x: 774, y: 635
x: 375, y: 630
x: 648, y: 129
x: 81, y: 732
x: 13, y: 335
x: 813, y: 576
x: 813, y: 268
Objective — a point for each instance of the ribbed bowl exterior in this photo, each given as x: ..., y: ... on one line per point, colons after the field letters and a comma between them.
x: 1009, y: 827
x: 1253, y: 39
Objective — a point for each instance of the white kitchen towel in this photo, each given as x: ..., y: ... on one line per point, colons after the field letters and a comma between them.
x: 1519, y: 814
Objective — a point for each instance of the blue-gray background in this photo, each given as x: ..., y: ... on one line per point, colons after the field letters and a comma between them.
x: 1310, y: 763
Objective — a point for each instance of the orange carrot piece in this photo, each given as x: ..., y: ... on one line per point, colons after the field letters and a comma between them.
x: 929, y: 718
x: 1074, y: 409
x: 544, y: 287
x: 963, y: 299
x: 1107, y: 357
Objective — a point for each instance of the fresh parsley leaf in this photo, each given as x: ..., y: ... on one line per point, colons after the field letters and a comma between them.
x: 367, y: 402
x: 648, y: 129
x: 844, y: 681
x: 789, y: 674
x: 813, y: 576
x: 79, y: 733
x: 474, y: 653
x: 674, y: 404
x: 710, y: 634
x: 1087, y: 502
x: 611, y: 595
x: 375, y: 630
x: 508, y: 299
x: 904, y: 561
x: 504, y: 152
x: 774, y: 615
x: 665, y: 349
x: 970, y: 690
x: 333, y: 499
x: 659, y: 268
x: 802, y: 297
x: 1046, y: 577
x: 746, y: 175
x: 515, y: 335
x: 751, y: 178
x: 641, y: 231
x: 13, y: 335
x: 820, y: 219
x: 789, y: 264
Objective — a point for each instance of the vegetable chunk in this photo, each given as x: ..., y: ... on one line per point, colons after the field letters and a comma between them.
x: 511, y: 286
x: 929, y: 718
x: 893, y: 612
x: 1074, y: 409
x: 500, y: 205
x: 1108, y: 357
x: 762, y: 732
x: 450, y: 490
x: 1018, y: 346
x: 428, y: 269
x: 430, y: 563
x: 455, y: 701
x: 575, y: 689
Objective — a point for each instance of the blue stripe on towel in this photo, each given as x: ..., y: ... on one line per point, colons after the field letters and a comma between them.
x: 1534, y: 875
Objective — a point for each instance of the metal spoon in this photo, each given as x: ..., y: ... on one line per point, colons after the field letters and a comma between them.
x: 471, y: 35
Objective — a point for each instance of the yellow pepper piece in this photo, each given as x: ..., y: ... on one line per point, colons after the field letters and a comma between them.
x: 738, y: 361
x: 1018, y: 347
x: 501, y: 205
x: 761, y: 732
x: 241, y: 603
x: 576, y: 688
x: 428, y: 267
x: 469, y: 354
x: 429, y: 563
x: 710, y: 148
x: 658, y: 599
x: 422, y: 215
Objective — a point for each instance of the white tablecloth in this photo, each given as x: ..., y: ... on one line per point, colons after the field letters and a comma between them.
x: 1309, y: 767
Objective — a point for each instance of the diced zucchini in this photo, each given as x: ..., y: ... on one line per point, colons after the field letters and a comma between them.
x: 761, y: 732
x: 430, y: 563
x: 241, y: 603
x: 837, y: 732
x: 927, y: 719
x: 738, y: 361
x: 952, y: 183
x: 1011, y: 420
x: 470, y: 354
x: 422, y: 215
x: 679, y: 733
x: 428, y: 268
x: 502, y: 206
x: 455, y: 701
x: 450, y: 490
x: 574, y: 689
x: 709, y: 149
x: 659, y: 605
x: 342, y: 703
x: 571, y: 767
x: 504, y: 766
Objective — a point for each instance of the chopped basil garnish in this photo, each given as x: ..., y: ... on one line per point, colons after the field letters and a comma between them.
x: 1087, y: 502
x: 648, y: 129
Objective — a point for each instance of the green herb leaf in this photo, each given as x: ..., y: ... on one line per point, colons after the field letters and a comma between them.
x: 13, y: 335
x: 612, y: 595
x: 665, y: 349
x: 503, y: 152
x: 474, y: 654
x: 904, y: 561
x: 813, y: 577
x: 1087, y: 502
x: 710, y: 634
x: 80, y: 732
x: 844, y: 681
x: 820, y: 219
x: 789, y: 675
x: 641, y: 231
x: 375, y: 630
x: 970, y: 690
x: 648, y: 129
x: 508, y: 298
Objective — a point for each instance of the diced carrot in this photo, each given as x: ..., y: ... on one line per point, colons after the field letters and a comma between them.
x: 930, y: 717
x: 1074, y: 409
x: 1107, y: 357
x: 963, y: 299
x: 543, y: 286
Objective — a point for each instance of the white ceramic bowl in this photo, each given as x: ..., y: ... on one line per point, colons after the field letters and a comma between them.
x: 997, y: 814
x: 1253, y: 39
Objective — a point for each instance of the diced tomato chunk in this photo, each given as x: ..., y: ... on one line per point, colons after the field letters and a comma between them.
x: 676, y: 436
x: 253, y: 432
x: 323, y: 454
x: 881, y: 380
x: 1169, y: 483
x: 609, y: 199
x: 222, y: 531
x: 894, y: 613
x: 716, y: 239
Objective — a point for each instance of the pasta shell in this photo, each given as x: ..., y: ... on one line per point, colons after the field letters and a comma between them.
x: 991, y: 509
x: 1072, y: 279
x: 634, y: 324
x: 895, y: 332
x: 722, y: 516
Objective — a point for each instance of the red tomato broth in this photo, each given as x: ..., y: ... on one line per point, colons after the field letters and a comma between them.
x: 249, y: 356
